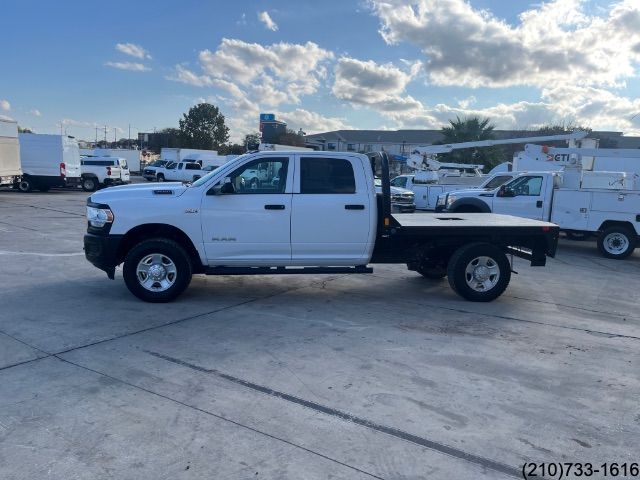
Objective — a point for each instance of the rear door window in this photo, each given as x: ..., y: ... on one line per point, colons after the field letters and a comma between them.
x: 326, y: 176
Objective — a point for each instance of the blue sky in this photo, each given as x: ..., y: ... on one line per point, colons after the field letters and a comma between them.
x: 320, y: 66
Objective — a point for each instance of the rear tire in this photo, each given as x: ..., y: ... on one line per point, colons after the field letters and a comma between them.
x: 89, y: 184
x: 617, y: 242
x: 25, y: 185
x: 157, y: 270
x: 479, y: 272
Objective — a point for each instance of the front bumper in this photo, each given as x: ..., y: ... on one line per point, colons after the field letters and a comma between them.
x: 102, y: 251
x: 397, y: 207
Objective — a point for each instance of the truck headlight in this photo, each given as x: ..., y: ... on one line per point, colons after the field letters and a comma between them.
x: 451, y: 199
x: 442, y: 200
x: 99, y: 217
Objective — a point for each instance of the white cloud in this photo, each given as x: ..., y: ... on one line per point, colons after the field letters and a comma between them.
x: 5, y: 105
x: 271, y: 74
x: 35, y: 112
x: 5, y: 117
x: 265, y: 18
x: 380, y: 86
x: 131, y: 66
x: 312, y: 122
x: 133, y: 50
x: 553, y: 43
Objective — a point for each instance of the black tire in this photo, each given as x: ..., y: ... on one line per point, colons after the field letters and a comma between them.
x: 25, y: 185
x: 487, y: 255
x: 617, y: 242
x: 168, y: 249
x: 160, y: 177
x: 576, y: 235
x: 89, y: 184
x: 432, y: 272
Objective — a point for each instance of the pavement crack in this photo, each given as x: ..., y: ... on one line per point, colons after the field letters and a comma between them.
x: 347, y: 417
x: 220, y: 417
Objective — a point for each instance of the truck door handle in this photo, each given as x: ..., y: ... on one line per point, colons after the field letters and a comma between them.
x: 274, y: 207
x: 354, y: 207
x: 539, y: 204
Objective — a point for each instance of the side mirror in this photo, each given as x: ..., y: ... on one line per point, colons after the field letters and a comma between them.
x: 224, y: 189
x: 505, y: 192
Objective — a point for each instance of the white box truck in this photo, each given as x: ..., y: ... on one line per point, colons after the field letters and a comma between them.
x: 48, y: 161
x: 9, y: 152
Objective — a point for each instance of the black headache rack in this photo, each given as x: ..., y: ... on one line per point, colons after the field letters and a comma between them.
x: 403, y: 237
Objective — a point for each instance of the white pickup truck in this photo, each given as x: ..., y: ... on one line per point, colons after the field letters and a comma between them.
x: 612, y: 214
x: 184, y: 171
x: 319, y: 214
x: 103, y: 171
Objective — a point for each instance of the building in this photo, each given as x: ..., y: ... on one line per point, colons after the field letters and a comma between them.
x: 270, y: 128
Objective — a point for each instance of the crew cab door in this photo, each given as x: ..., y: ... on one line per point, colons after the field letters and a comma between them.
x: 251, y: 225
x: 331, y: 220
x: 522, y: 197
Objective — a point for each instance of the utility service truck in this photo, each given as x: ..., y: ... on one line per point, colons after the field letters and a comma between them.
x: 433, y: 178
x: 9, y: 153
x: 582, y: 202
x: 48, y: 161
x: 321, y: 216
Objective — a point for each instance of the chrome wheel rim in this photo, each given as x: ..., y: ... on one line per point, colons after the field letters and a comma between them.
x: 616, y: 243
x: 88, y: 184
x: 482, y: 274
x: 156, y: 272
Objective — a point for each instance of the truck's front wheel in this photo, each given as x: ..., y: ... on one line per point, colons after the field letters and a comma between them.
x: 157, y: 270
x: 479, y: 272
x: 617, y: 242
x: 160, y: 177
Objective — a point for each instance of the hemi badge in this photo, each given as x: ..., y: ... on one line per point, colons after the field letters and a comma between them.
x: 163, y: 192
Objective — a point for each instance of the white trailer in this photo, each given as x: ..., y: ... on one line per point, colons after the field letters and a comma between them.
x: 9, y: 152
x: 48, y: 161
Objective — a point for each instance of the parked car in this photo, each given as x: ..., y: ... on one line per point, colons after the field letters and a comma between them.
x: 149, y: 172
x: 103, y: 172
x: 402, y: 200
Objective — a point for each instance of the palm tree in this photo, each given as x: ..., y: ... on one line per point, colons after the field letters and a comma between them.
x: 471, y: 129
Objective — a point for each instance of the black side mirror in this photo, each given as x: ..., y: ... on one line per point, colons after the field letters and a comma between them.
x: 505, y: 192
x: 224, y: 189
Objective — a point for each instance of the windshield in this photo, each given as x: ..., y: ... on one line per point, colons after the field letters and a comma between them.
x: 207, y: 177
x: 497, y: 181
x: 123, y: 163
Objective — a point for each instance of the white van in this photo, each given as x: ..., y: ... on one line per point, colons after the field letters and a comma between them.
x: 103, y: 171
x: 48, y: 161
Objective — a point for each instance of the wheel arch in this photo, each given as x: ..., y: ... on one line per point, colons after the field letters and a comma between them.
x: 160, y: 230
x: 616, y: 223
x: 471, y: 203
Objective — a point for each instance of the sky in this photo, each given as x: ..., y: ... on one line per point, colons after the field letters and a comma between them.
x: 75, y: 66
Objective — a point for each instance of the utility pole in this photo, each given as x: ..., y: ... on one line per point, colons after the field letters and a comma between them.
x: 129, y: 138
x: 114, y: 136
x: 96, y: 137
x: 105, y: 136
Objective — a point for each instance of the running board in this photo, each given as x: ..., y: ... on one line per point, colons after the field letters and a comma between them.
x: 286, y: 270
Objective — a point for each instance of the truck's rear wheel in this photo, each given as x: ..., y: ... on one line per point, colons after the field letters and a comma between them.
x: 25, y: 185
x: 89, y: 184
x: 479, y: 272
x: 617, y: 242
x: 157, y: 270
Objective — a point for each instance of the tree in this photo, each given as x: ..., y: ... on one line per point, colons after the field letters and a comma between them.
x: 292, y: 138
x: 471, y: 129
x: 24, y: 130
x: 203, y: 127
x: 232, y: 149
